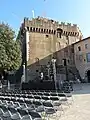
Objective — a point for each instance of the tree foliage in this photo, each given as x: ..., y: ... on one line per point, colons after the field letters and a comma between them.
x: 10, y: 53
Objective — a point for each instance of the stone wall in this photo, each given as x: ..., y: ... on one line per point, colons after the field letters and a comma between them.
x: 49, y: 38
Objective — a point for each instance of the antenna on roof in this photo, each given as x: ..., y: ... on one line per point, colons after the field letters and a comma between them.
x: 33, y: 13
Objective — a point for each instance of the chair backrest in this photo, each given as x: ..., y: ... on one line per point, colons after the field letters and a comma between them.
x: 61, y: 94
x: 37, y: 97
x: 34, y: 115
x: 22, y: 112
x: 20, y: 101
x: 34, y: 93
x: 12, y: 110
x: 54, y: 98
x: 47, y: 104
x: 45, y: 98
x: 4, y: 108
x: 28, y: 102
x: 37, y: 103
x: 47, y: 94
x: 53, y: 94
x: 30, y: 96
x: 40, y: 93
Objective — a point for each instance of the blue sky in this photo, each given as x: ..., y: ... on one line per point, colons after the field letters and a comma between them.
x: 74, y: 11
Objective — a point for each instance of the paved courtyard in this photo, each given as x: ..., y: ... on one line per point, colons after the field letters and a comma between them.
x: 80, y: 109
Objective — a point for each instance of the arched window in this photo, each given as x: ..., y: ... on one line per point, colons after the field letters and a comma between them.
x: 59, y: 32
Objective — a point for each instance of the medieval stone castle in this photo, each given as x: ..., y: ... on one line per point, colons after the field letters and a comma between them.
x: 45, y: 39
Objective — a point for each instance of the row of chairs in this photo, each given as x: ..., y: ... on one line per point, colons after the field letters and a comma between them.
x: 36, y: 102
x: 27, y: 105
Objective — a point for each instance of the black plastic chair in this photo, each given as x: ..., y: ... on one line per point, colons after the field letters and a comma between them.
x: 35, y: 116
x: 45, y: 98
x: 49, y: 109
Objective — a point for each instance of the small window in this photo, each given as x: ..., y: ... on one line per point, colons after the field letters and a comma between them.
x: 36, y: 29
x: 75, y: 33
x: 42, y: 30
x: 28, y: 28
x: 47, y: 36
x: 88, y: 57
x: 33, y: 29
x: 86, y: 46
x: 79, y: 48
x: 49, y: 31
x: 52, y: 31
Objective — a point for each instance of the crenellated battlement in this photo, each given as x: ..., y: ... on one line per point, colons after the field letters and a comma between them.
x: 49, y: 21
x: 49, y: 26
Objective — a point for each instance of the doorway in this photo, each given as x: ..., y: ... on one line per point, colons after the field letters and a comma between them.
x: 88, y: 75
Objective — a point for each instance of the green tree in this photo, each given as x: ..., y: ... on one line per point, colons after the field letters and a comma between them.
x: 10, y: 50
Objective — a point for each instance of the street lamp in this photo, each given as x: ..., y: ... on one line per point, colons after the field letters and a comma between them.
x: 54, y: 72
x: 25, y: 54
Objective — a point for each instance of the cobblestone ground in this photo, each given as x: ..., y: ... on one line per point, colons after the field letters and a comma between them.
x: 80, y: 109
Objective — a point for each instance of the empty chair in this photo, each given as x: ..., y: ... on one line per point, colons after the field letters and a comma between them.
x: 20, y: 114
x: 62, y: 96
x: 34, y: 93
x: 46, y: 94
x: 40, y: 93
x: 29, y: 105
x: 45, y: 98
x: 37, y: 97
x: 12, y: 110
x: 21, y: 102
x: 6, y: 115
x: 23, y: 95
x: 30, y: 97
x: 35, y: 116
x: 49, y: 109
x: 53, y: 94
x: 37, y: 104
x: 55, y: 101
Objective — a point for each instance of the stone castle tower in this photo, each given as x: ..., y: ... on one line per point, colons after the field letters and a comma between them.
x: 45, y: 37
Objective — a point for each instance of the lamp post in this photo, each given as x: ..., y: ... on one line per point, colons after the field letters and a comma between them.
x: 54, y: 72
x: 25, y: 54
